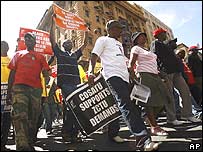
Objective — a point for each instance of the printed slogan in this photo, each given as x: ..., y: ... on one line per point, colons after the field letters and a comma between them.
x: 93, y: 106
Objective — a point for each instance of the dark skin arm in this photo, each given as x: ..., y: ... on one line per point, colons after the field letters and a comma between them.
x: 132, y: 61
x: 10, y: 85
x: 52, y: 32
x: 92, y: 64
x: 84, y: 41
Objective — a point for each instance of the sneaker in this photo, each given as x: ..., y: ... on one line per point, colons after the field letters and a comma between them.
x: 144, y: 143
x: 158, y: 131
x: 192, y: 119
x: 118, y: 139
x: 174, y: 122
x: 152, y: 146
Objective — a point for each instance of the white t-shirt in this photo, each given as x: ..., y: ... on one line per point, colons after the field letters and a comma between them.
x: 146, y: 61
x: 112, y: 57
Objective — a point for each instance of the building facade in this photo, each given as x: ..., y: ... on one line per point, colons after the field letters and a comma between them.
x: 154, y: 23
x: 96, y: 14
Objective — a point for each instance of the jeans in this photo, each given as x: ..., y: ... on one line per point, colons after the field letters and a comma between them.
x: 130, y: 112
x: 176, y: 80
x: 5, y: 127
x: 70, y: 125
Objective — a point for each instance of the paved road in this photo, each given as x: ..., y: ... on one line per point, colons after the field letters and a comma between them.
x: 186, y: 137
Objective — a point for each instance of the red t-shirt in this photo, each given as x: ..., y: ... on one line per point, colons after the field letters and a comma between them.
x: 28, y: 66
x: 188, y: 72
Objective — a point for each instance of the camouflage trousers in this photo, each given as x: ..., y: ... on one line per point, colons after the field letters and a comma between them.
x: 25, y: 114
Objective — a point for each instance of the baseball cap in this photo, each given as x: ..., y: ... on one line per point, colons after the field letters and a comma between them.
x: 113, y: 23
x: 158, y: 31
x: 30, y: 34
x: 135, y: 35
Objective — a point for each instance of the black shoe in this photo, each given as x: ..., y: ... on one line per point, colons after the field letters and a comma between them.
x: 3, y: 148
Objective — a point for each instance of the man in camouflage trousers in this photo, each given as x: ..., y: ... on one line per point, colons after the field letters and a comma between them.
x: 24, y: 85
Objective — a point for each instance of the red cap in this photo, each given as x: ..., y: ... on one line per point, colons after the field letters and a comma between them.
x: 158, y: 31
x: 193, y: 47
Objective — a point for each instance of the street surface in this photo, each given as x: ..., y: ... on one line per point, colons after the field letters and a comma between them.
x: 186, y: 137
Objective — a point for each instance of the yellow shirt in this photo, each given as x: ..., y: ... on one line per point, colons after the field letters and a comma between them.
x: 4, y: 70
x: 44, y: 92
x: 82, y: 73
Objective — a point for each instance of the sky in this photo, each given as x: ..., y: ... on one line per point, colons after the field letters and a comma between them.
x: 183, y: 17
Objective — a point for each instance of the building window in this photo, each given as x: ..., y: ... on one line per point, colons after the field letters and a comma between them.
x: 65, y: 36
x: 89, y: 25
x: 103, y: 21
x: 86, y: 13
x: 97, y: 18
x: 99, y: 30
x: 90, y: 40
x: 105, y: 33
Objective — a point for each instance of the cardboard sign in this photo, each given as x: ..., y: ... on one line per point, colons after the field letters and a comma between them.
x: 4, y: 91
x: 43, y: 44
x: 93, y: 106
x: 68, y: 20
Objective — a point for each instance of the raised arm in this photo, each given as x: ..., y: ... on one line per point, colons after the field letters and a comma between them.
x: 52, y: 32
x: 92, y: 64
x: 84, y: 41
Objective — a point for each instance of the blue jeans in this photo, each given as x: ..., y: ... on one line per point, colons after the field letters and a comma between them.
x: 130, y: 112
x: 70, y: 125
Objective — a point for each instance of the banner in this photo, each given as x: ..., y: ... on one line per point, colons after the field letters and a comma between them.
x: 43, y: 44
x: 93, y: 106
x: 4, y: 92
x: 68, y: 20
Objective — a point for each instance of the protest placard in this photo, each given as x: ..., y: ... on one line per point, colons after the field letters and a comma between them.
x: 4, y: 91
x: 43, y: 44
x: 93, y: 106
x: 68, y: 20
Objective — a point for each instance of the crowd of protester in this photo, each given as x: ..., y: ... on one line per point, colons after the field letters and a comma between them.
x: 37, y: 98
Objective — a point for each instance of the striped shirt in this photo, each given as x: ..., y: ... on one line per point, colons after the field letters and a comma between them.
x: 146, y: 61
x: 67, y: 66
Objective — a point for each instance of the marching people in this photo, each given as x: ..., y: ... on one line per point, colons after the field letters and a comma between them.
x: 194, y: 62
x: 24, y: 86
x: 67, y: 79
x: 49, y: 106
x: 189, y: 78
x: 115, y: 72
x: 170, y: 69
x: 146, y: 67
x: 5, y: 115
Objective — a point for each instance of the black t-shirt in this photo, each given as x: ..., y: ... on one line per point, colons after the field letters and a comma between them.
x: 166, y: 58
